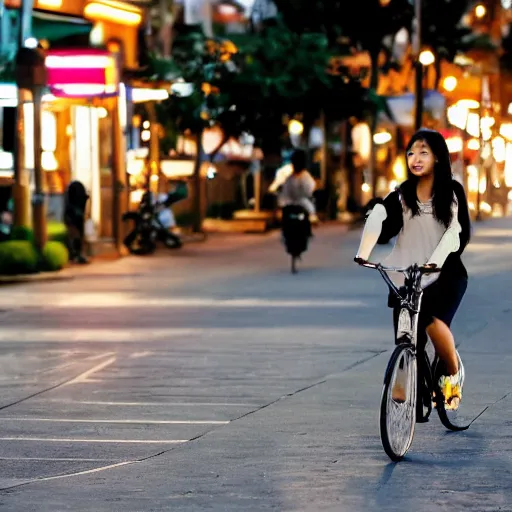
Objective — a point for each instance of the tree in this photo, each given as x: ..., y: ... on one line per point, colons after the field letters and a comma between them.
x: 287, y: 75
x: 204, y: 64
x: 253, y: 87
x: 444, y: 34
x: 365, y: 24
x: 283, y: 74
x: 362, y: 26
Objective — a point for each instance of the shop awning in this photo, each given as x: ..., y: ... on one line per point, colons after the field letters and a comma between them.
x: 54, y: 27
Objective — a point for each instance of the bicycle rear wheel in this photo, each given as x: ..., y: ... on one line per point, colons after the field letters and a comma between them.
x: 454, y: 420
x: 398, y: 403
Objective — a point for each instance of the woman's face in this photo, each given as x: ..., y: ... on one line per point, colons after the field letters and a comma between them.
x: 421, y: 159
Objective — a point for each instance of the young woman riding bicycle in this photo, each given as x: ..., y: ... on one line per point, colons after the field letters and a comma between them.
x: 429, y: 213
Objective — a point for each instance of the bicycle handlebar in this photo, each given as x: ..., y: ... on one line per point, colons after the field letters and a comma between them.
x: 424, y: 269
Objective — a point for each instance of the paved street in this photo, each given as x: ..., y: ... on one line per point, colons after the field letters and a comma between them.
x: 213, y: 379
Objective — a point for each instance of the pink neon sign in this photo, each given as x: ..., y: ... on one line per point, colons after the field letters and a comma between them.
x: 82, y: 73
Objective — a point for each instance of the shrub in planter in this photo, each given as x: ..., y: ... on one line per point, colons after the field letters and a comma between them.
x: 22, y: 233
x: 57, y: 232
x: 18, y: 257
x: 54, y: 256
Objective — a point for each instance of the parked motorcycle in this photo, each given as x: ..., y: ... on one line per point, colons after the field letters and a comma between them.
x: 296, y: 230
x: 152, y: 223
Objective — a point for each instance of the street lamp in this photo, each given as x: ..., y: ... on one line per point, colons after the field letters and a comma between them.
x: 424, y: 58
x: 418, y: 66
x: 295, y: 127
x: 480, y: 11
x: 449, y: 83
x: 427, y: 58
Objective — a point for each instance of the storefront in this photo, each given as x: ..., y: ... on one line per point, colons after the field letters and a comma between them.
x: 85, y: 85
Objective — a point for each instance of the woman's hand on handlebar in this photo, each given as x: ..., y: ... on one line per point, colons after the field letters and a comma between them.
x: 430, y: 268
x: 365, y: 263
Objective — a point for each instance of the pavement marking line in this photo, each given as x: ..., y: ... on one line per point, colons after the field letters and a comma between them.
x: 123, y: 422
x: 45, y: 390
x: 156, y: 335
x: 137, y: 355
x: 144, y: 404
x: 101, y: 336
x: 50, y: 459
x: 119, y: 300
x: 77, y: 440
x: 100, y: 356
x: 86, y: 472
x: 84, y: 377
x: 55, y: 368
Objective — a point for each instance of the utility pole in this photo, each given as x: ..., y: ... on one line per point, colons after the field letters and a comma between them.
x: 418, y: 111
x: 21, y: 189
x: 30, y: 74
x: 197, y: 225
x: 38, y: 197
x: 119, y: 178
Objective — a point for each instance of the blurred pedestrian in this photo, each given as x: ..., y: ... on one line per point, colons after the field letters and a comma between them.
x: 74, y: 217
x: 299, y: 186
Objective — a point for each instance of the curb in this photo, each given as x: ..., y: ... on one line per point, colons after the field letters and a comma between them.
x: 61, y: 275
x: 70, y: 273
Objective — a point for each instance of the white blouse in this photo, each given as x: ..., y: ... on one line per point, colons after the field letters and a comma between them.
x: 298, y: 189
x: 423, y: 239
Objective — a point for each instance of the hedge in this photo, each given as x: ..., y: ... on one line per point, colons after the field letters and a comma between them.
x: 18, y: 257
x: 21, y: 257
x: 55, y: 256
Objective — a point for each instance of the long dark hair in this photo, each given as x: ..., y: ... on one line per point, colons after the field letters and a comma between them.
x: 299, y: 161
x: 442, y: 193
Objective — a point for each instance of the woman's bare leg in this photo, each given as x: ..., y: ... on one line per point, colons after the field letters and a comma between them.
x: 444, y: 343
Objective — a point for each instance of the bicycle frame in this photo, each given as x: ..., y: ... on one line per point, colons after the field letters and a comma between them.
x: 410, y: 304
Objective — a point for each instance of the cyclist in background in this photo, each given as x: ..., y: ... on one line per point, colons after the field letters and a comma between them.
x: 299, y: 186
x: 430, y: 215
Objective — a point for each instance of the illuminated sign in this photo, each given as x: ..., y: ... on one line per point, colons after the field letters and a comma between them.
x: 49, y: 4
x: 82, y: 73
x: 12, y: 4
x: 114, y: 12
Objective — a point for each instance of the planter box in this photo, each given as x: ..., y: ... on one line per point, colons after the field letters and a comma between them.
x: 235, y: 225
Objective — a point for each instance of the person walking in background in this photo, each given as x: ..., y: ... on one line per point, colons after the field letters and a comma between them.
x: 74, y: 217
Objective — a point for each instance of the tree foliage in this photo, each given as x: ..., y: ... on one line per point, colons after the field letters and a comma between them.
x: 367, y: 24
x: 363, y: 25
x: 256, y: 83
x: 444, y: 34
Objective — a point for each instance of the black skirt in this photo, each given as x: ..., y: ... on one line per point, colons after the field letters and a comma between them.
x: 440, y: 300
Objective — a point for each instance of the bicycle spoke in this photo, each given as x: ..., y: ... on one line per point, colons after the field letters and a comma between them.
x: 398, y: 417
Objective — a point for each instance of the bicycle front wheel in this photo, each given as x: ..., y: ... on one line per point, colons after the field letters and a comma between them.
x: 398, y: 403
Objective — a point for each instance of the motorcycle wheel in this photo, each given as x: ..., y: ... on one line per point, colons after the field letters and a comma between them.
x: 172, y: 241
x: 139, y: 245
